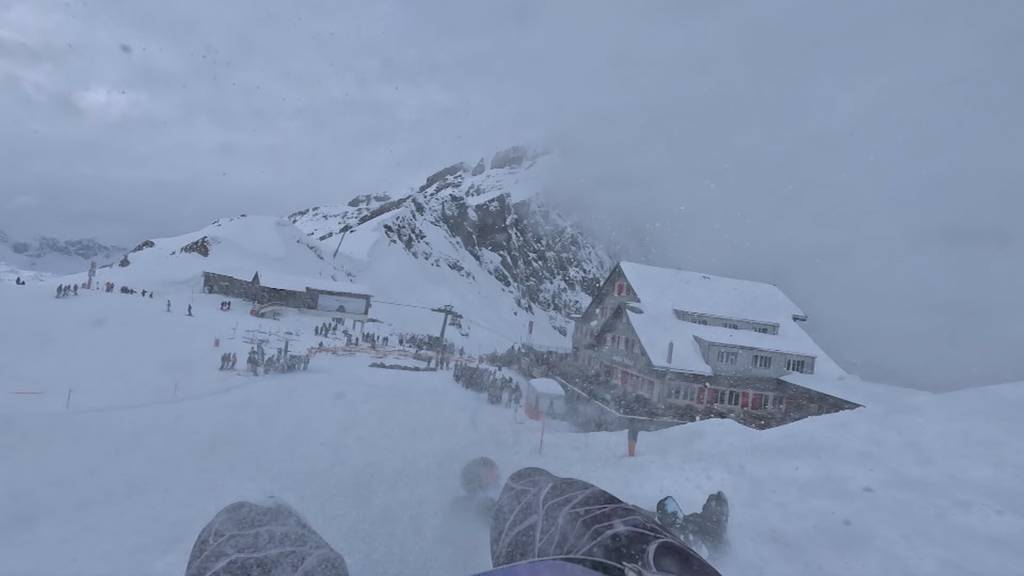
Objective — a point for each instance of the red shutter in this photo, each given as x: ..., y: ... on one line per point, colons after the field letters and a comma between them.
x: 758, y: 402
x: 700, y: 395
x: 744, y: 400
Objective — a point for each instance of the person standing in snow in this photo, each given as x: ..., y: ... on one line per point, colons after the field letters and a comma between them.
x: 168, y: 305
x: 75, y: 290
x: 632, y: 435
x: 189, y: 310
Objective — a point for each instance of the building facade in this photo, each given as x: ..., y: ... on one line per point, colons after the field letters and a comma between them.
x: 339, y: 300
x: 710, y: 343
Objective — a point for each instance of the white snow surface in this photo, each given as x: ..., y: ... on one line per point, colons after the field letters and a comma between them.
x: 157, y: 440
x: 10, y: 274
x: 707, y: 294
x: 547, y: 386
x: 403, y: 288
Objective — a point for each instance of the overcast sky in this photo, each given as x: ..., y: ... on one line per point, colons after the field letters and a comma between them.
x: 865, y: 156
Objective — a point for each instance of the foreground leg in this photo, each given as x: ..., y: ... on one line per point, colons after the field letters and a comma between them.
x: 246, y: 539
x: 540, y: 515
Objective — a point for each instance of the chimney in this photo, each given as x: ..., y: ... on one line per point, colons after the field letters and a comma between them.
x: 670, y: 346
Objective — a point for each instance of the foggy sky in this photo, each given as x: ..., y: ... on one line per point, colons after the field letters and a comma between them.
x: 865, y: 156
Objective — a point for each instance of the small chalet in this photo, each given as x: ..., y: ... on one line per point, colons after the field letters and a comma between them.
x: 339, y: 299
x: 718, y: 345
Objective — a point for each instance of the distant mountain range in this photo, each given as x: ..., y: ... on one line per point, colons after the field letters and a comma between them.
x: 47, y: 254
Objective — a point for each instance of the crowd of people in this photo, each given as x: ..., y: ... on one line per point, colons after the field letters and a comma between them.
x: 65, y: 290
x: 228, y: 361
x: 500, y: 389
x: 326, y: 329
x: 225, y: 305
x: 258, y: 360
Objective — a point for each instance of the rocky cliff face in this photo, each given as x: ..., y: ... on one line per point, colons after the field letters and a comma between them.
x: 487, y: 217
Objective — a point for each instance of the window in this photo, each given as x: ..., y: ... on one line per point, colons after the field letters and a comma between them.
x: 757, y: 402
x: 734, y: 398
x: 620, y: 288
x: 727, y: 356
x: 702, y: 322
x: 794, y: 365
x: 778, y: 401
x: 731, y: 326
x: 690, y: 393
x: 761, y: 329
x: 761, y: 361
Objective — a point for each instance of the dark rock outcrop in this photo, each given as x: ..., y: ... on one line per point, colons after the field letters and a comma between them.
x: 479, y: 169
x: 200, y: 246
x: 144, y: 245
x: 509, y: 158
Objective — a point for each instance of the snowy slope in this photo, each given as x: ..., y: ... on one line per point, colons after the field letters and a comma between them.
x: 157, y: 440
x: 238, y: 246
x: 479, y: 238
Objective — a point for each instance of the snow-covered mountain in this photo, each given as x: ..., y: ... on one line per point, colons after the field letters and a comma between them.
x: 478, y: 237
x: 477, y: 221
x: 47, y: 254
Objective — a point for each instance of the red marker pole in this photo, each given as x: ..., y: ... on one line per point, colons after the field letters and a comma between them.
x: 543, y: 421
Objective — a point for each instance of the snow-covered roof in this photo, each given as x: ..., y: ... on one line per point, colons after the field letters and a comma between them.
x: 655, y: 331
x: 707, y: 294
x: 662, y: 291
x: 297, y: 283
x: 547, y: 386
x: 300, y: 283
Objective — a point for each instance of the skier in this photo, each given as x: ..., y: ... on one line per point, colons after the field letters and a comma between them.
x: 76, y: 290
x: 316, y: 330
x: 234, y: 360
x: 189, y: 310
x: 143, y: 293
x: 60, y: 290
x: 168, y: 305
